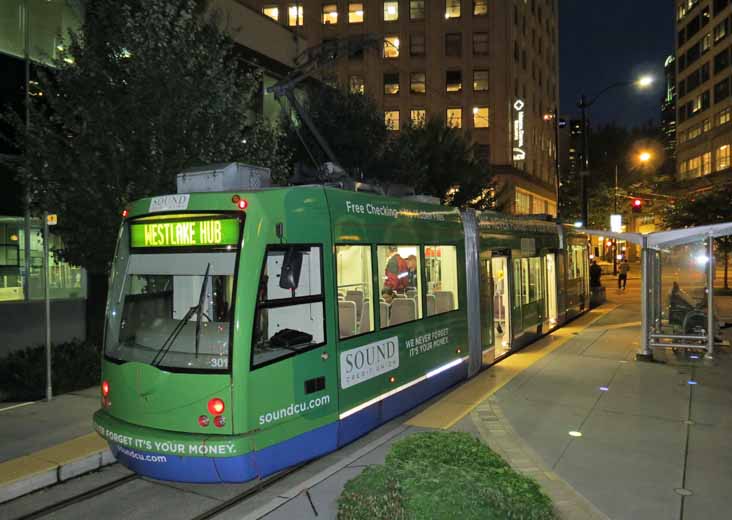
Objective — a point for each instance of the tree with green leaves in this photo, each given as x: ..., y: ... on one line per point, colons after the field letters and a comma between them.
x: 441, y: 161
x: 349, y: 122
x: 711, y: 207
x: 143, y: 90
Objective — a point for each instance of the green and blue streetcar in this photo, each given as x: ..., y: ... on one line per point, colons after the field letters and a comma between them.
x: 248, y: 331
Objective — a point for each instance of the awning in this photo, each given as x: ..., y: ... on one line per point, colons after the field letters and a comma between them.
x: 665, y: 239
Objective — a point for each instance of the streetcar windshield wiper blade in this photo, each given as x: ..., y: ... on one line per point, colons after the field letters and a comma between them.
x: 165, y: 347
x: 201, y: 298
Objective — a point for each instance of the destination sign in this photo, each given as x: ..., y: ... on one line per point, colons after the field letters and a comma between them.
x: 185, y: 233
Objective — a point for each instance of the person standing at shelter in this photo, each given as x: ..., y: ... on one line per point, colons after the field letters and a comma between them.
x: 623, y: 273
x: 595, y: 274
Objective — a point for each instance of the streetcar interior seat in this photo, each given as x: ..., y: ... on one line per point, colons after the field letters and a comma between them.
x: 400, y: 295
x: 403, y: 310
x: 384, y: 313
x: 431, y: 304
x: 357, y: 298
x: 443, y: 301
x: 365, y: 324
x: 411, y: 292
x: 346, y: 319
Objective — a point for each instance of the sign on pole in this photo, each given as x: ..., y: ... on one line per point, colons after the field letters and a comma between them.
x: 616, y: 223
x: 52, y: 219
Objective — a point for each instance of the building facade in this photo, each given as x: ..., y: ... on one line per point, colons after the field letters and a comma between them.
x: 668, y: 110
x: 484, y: 66
x: 704, y: 106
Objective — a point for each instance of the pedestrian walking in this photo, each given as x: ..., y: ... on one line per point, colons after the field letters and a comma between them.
x: 623, y: 274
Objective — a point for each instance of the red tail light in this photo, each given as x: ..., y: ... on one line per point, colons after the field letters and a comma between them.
x: 216, y: 406
x: 105, y: 388
x: 219, y: 421
x: 203, y: 421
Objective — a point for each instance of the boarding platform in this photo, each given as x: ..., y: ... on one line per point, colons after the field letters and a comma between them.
x: 604, y: 435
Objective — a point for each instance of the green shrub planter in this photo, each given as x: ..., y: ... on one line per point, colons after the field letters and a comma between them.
x: 443, y: 475
x: 75, y: 366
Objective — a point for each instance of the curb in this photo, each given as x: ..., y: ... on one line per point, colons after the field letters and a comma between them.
x: 45, y: 468
x: 497, y: 433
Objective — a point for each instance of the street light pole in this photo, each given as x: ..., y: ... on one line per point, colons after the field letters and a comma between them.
x: 556, y: 156
x: 615, y: 212
x: 583, y: 105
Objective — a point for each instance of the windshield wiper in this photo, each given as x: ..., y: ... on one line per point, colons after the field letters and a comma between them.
x: 165, y: 347
x: 201, y: 299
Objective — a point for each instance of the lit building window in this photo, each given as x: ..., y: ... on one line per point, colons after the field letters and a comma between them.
x: 454, y: 81
x: 416, y: 45
x: 391, y: 47
x: 480, y: 43
x: 357, y: 85
x: 418, y: 117
x: 523, y: 203
x: 706, y: 163
x: 391, y: 83
x: 330, y: 14
x: 480, y: 80
x: 355, y: 12
x: 294, y: 15
x: 480, y: 7
x: 452, y: 9
x: 480, y: 117
x: 418, y: 83
x: 391, y: 11
x: 706, y: 125
x: 723, y: 157
x: 694, y: 164
x: 724, y: 116
x: 271, y: 11
x: 391, y: 119
x: 455, y: 117
x: 416, y: 9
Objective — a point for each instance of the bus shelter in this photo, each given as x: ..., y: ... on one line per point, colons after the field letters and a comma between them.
x: 673, y: 262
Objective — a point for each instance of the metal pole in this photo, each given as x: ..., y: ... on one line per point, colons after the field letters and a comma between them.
x: 27, y: 196
x: 49, y: 389
x: 584, y: 173
x: 710, y: 298
x: 615, y: 212
x: 556, y: 155
x: 645, y: 351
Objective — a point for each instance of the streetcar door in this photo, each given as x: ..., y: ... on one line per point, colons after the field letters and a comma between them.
x: 551, y: 288
x: 293, y: 383
x: 501, y: 305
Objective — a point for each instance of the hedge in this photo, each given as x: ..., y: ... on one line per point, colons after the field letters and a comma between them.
x: 443, y: 475
x: 75, y: 366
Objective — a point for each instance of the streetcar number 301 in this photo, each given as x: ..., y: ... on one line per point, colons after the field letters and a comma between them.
x: 219, y: 362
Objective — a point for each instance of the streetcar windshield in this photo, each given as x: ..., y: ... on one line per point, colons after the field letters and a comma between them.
x: 171, y: 308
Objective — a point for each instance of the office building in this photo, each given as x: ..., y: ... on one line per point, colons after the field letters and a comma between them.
x: 484, y: 66
x: 704, y: 111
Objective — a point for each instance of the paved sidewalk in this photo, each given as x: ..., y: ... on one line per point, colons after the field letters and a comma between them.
x: 42, y: 443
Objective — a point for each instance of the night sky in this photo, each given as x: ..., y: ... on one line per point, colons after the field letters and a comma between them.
x: 605, y: 42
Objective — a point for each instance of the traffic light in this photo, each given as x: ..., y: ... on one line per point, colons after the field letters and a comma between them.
x: 637, y: 205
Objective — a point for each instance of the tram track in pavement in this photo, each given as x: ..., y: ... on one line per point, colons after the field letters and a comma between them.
x: 81, y: 497
x: 211, y: 513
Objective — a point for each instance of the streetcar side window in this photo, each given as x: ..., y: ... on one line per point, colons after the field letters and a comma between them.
x: 292, y: 320
x: 440, y: 265
x: 400, y: 284
x: 355, y: 301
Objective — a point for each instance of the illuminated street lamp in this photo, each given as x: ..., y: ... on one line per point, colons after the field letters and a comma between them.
x: 644, y: 157
x: 583, y: 104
